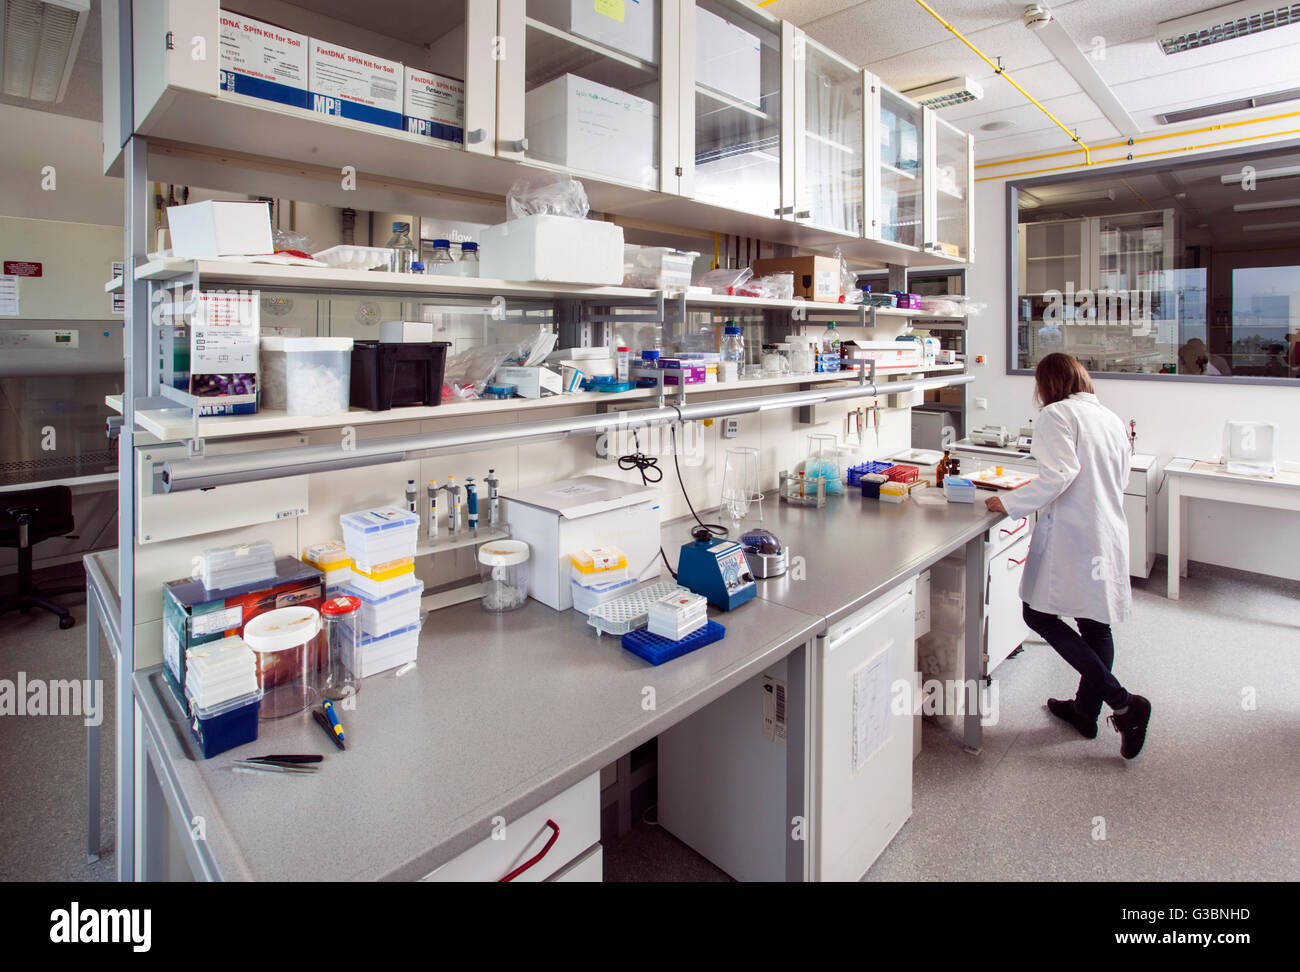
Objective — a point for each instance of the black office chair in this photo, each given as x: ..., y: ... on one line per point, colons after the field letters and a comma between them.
x: 27, y: 517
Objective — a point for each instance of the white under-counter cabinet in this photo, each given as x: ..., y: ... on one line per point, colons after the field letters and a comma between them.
x: 1140, y: 511
x: 561, y: 837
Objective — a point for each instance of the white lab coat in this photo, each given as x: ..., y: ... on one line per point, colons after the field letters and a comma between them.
x: 1078, y: 557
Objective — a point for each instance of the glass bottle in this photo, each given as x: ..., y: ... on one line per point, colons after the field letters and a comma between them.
x: 440, y: 259
x: 469, y: 259
x: 733, y: 344
x: 403, y: 248
x: 941, y: 470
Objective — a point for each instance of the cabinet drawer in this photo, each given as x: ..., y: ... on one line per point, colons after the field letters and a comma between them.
x: 1006, y: 623
x: 1007, y: 531
x: 576, y: 812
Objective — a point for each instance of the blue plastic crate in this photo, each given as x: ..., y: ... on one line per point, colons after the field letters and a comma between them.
x: 657, y: 650
x: 856, y: 473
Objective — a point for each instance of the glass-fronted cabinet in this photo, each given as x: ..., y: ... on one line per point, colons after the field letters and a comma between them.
x: 829, y: 140
x: 899, y: 177
x: 949, y: 180
x: 595, y: 90
x: 733, y: 51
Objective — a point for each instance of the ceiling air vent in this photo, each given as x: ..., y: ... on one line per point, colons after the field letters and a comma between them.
x: 1224, y: 24
x: 1224, y: 107
x: 942, y: 94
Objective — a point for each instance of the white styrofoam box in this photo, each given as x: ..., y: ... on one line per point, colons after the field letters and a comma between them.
x: 529, y: 382
x: 728, y: 58
x: 583, y: 125
x: 434, y: 105
x: 558, y: 518
x: 263, y: 61
x: 629, y: 26
x: 553, y: 249
x: 352, y: 84
x: 406, y: 332
x: 218, y: 227
x: 575, y: 812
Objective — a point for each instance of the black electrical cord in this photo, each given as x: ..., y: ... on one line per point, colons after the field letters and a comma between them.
x: 717, y: 529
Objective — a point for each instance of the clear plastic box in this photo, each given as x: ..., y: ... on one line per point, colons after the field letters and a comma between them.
x: 377, y: 536
x: 384, y: 614
x: 587, y: 597
x: 246, y: 563
x: 318, y: 375
x: 657, y: 267
x: 379, y: 653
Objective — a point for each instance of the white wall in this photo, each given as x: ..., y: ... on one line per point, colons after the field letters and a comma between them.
x: 82, y: 193
x: 1174, y: 418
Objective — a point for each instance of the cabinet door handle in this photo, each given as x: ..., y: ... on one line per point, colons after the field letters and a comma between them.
x: 1012, y: 533
x: 845, y: 635
x: 536, y: 857
x: 783, y: 211
x: 1018, y: 563
x: 519, y: 145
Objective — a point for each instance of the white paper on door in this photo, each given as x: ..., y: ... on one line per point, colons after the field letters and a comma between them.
x: 870, y: 708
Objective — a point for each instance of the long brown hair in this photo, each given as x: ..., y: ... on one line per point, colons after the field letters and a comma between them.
x: 1058, y: 376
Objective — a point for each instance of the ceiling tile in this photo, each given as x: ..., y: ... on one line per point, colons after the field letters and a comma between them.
x: 1043, y: 81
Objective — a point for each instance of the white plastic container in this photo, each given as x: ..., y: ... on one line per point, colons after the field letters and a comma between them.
x: 384, y: 614
x: 555, y: 249
x: 318, y: 372
x: 503, y: 567
x: 657, y: 267
x: 246, y: 563
x: 585, y: 598
x: 347, y: 256
x: 379, y: 653
x: 219, y: 671
x: 580, y: 124
x: 273, y: 388
x: 958, y: 490
x: 286, y: 643
x: 676, y: 615
x: 380, y: 535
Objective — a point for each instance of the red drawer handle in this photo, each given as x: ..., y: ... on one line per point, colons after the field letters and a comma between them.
x: 1012, y: 560
x: 536, y: 857
x: 1012, y: 533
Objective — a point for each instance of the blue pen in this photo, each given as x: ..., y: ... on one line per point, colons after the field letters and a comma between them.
x: 328, y: 706
x: 471, y: 505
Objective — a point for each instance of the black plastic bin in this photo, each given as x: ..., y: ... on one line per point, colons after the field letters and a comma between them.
x: 389, y: 375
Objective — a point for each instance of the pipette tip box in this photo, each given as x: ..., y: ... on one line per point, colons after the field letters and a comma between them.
x: 657, y: 650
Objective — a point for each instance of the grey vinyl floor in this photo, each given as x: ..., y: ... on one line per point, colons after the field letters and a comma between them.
x: 1215, y: 795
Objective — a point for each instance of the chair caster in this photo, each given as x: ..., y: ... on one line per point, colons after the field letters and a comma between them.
x: 68, y: 622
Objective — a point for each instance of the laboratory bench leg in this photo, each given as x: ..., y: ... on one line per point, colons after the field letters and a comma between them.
x: 972, y: 728
x: 92, y: 733
x: 1177, y: 565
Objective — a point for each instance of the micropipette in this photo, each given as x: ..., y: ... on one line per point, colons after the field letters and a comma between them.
x: 432, y: 491
x: 471, y: 505
x: 494, y: 502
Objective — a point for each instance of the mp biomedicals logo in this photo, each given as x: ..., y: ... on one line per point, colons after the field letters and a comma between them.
x: 74, y: 926
x: 56, y: 697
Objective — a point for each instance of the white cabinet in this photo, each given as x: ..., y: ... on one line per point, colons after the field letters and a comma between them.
x: 571, y: 817
x: 862, y: 779
x: 949, y: 181
x: 1140, y: 511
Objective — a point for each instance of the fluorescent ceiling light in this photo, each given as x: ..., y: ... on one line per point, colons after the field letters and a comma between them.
x: 1084, y: 71
x: 942, y: 94
x: 39, y: 46
x: 1265, y: 227
x: 1279, y: 173
x: 1256, y: 206
x: 1224, y: 23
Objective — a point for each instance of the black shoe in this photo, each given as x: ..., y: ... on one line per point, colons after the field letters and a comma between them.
x: 1131, y: 724
x: 1064, y: 709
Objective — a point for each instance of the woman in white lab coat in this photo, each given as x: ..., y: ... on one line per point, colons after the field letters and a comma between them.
x: 1078, y: 557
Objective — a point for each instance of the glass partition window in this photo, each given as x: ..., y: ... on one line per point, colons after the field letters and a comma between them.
x: 901, y: 154
x: 737, y: 108
x: 951, y: 177
x: 592, y: 88
x: 830, y: 188
x: 1173, y: 268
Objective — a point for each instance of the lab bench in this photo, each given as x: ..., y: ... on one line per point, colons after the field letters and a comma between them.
x: 506, y: 717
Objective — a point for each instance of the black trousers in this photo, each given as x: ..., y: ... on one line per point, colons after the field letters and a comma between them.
x: 1090, y: 651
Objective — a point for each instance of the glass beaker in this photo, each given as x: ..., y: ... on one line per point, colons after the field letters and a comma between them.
x: 341, y: 617
x: 823, y: 457
x: 740, y: 482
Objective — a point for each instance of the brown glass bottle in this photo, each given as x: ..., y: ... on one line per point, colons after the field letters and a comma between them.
x: 941, y: 470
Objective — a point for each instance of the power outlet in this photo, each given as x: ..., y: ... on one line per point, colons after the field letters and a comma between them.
x: 981, y: 403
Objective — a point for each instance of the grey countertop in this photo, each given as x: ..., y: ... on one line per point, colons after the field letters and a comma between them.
x: 504, y: 712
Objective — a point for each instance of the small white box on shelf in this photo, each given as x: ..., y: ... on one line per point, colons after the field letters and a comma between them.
x: 728, y: 58
x: 219, y: 227
x: 406, y: 332
x: 553, y: 249
x: 629, y: 26
x: 353, y: 84
x: 263, y: 61
x: 583, y: 125
x: 434, y: 105
x: 531, y: 381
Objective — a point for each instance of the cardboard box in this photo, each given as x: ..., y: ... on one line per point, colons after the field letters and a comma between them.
x: 559, y: 518
x: 889, y: 356
x: 556, y: 249
x: 952, y: 395
x: 630, y: 26
x: 583, y: 125
x: 217, y: 228
x: 815, y: 277
x: 194, y: 615
x: 263, y: 61
x: 350, y: 84
x: 728, y: 58
x: 530, y: 382
x: 434, y: 105
x: 224, y: 344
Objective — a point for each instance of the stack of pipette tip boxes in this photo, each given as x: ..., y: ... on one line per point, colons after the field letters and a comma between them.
x: 224, y: 697
x: 600, y: 574
x: 678, y: 614
x: 381, y: 546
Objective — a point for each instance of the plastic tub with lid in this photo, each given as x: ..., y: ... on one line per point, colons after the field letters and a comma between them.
x: 503, y: 568
x: 318, y: 375
x: 341, y: 617
x: 286, y: 642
